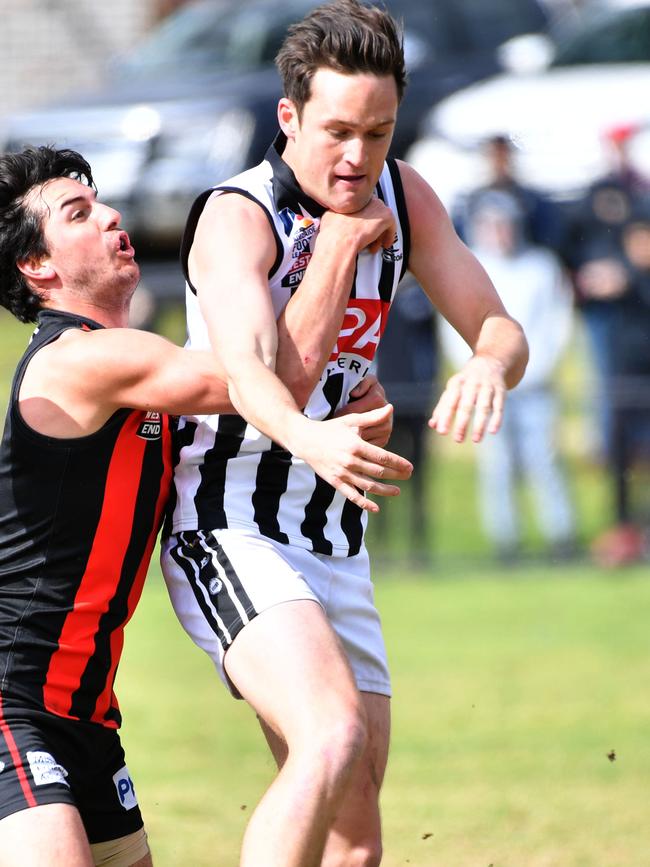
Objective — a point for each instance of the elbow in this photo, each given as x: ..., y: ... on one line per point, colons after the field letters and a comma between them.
x: 300, y: 375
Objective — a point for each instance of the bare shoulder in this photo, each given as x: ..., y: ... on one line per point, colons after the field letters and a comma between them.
x: 229, y: 211
x: 430, y: 225
x: 93, y: 363
x: 241, y: 226
x: 418, y: 193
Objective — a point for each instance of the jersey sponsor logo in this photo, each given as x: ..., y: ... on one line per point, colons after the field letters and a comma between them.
x: 289, y: 219
x: 125, y: 788
x: 295, y: 274
x: 363, y: 324
x: 151, y: 427
x: 45, y: 769
x: 392, y: 254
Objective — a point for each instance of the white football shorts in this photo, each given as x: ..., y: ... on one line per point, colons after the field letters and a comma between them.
x: 219, y: 580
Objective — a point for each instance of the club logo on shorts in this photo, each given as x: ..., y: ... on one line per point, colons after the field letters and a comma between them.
x: 215, y: 585
x: 45, y: 769
x: 125, y: 789
x: 151, y: 427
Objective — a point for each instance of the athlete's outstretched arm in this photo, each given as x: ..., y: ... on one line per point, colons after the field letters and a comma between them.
x: 235, y: 300
x: 463, y: 293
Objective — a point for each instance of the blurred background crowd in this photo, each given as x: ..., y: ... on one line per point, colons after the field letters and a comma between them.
x: 530, y: 118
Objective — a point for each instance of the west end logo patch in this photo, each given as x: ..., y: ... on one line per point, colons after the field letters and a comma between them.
x: 45, y: 769
x: 151, y: 427
x: 294, y: 275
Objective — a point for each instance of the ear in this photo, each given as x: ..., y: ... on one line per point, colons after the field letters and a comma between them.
x: 288, y: 117
x: 38, y: 270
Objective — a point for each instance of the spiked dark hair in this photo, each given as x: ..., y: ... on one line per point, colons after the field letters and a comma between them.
x: 345, y: 36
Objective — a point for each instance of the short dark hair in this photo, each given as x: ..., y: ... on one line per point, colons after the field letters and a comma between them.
x: 345, y: 36
x: 21, y: 226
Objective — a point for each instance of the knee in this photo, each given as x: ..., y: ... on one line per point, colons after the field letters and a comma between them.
x: 344, y: 739
x: 337, y: 742
x: 363, y: 854
x: 367, y: 855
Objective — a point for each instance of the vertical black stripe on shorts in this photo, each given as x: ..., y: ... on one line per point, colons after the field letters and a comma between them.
x: 209, y: 497
x: 186, y: 543
x: 204, y: 544
x: 238, y: 588
x: 402, y: 212
x: 270, y: 484
x: 352, y: 526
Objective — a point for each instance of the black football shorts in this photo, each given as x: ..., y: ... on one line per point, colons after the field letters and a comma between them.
x: 46, y: 759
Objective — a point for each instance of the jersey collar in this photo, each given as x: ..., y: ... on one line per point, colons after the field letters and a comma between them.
x: 287, y: 192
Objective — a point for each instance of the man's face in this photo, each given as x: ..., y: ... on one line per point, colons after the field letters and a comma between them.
x: 338, y: 147
x: 88, y: 251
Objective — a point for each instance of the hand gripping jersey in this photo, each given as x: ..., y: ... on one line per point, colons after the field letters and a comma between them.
x: 78, y: 522
x: 229, y: 474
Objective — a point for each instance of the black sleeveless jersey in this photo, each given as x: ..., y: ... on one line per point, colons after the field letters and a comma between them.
x: 78, y: 521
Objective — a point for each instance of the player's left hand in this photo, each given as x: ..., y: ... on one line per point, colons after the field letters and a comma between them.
x: 369, y: 394
x: 479, y: 389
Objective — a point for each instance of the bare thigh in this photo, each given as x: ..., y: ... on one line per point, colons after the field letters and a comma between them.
x: 51, y: 834
x: 291, y: 668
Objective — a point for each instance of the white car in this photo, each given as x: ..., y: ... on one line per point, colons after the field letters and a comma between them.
x: 557, y: 116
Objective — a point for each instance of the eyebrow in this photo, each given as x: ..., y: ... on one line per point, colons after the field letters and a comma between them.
x: 73, y: 200
x: 354, y: 123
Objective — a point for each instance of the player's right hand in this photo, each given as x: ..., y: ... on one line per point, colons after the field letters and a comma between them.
x: 370, y: 228
x: 338, y: 453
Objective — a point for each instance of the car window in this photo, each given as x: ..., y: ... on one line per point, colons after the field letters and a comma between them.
x: 624, y: 38
x: 490, y: 24
x: 198, y: 35
x: 201, y: 38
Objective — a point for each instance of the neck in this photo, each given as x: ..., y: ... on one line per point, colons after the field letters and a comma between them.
x: 109, y: 318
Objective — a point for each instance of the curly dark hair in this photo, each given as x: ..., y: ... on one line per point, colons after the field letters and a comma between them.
x: 345, y: 36
x: 21, y: 229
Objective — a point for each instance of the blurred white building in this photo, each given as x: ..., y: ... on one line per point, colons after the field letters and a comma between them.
x: 48, y: 47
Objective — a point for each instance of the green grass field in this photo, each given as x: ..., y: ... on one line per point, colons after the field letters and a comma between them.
x: 510, y: 692
x: 512, y: 688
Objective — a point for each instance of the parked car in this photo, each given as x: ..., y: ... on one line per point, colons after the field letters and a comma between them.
x: 557, y: 110
x: 195, y: 102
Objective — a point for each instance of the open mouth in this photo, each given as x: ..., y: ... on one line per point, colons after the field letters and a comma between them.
x: 351, y: 179
x: 124, y: 244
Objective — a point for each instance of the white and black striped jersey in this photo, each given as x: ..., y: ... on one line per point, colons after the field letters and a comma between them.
x: 229, y: 474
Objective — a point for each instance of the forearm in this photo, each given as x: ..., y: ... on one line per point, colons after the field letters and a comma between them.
x: 263, y: 400
x: 311, y: 321
x: 502, y: 341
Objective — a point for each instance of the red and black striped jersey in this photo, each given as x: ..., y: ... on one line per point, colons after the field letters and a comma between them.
x: 78, y: 522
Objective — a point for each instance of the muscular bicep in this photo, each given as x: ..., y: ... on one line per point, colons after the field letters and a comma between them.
x: 447, y: 270
x: 74, y: 385
x: 231, y: 256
